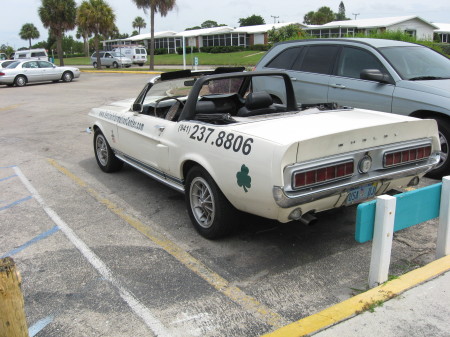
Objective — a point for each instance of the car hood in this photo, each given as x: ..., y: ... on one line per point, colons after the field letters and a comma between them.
x: 338, y: 131
x: 435, y: 87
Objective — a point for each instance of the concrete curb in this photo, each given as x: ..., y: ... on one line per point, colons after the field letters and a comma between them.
x: 121, y: 71
x: 363, y: 302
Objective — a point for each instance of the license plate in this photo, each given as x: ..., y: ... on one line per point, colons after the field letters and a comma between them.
x: 361, y: 193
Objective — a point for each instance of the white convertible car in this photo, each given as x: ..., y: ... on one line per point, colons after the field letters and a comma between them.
x: 229, y: 149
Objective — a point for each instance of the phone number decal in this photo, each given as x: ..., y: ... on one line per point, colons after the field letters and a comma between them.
x: 227, y: 140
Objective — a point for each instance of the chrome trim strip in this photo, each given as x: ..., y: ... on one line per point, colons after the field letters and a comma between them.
x: 286, y: 200
x: 158, y: 175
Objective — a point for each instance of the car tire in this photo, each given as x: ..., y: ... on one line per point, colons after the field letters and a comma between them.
x: 211, y: 213
x: 106, y: 159
x: 443, y: 167
x: 115, y: 65
x: 67, y: 76
x: 20, y: 81
x: 141, y: 64
x: 94, y: 65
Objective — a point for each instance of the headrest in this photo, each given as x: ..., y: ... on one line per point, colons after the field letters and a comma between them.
x: 205, y: 107
x: 258, y: 100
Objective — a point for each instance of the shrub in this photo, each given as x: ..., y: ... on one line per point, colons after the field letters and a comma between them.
x: 188, y: 50
x: 260, y: 47
x: 161, y: 51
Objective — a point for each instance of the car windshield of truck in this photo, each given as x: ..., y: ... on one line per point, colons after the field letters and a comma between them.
x: 418, y: 63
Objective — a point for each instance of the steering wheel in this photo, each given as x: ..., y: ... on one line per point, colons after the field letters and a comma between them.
x: 173, y: 109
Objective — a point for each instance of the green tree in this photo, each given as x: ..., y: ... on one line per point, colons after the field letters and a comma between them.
x: 193, y: 28
x: 85, y: 35
x: 29, y: 32
x: 163, y: 7
x: 322, y: 16
x: 289, y: 32
x: 97, y: 18
x: 252, y: 20
x: 58, y: 16
x: 139, y: 23
x: 340, y: 15
x: 211, y: 24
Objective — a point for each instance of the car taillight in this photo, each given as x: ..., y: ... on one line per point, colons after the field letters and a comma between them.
x: 2, y: 74
x: 406, y: 156
x: 323, y: 174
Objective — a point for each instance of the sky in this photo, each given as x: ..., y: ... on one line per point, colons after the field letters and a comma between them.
x: 189, y: 13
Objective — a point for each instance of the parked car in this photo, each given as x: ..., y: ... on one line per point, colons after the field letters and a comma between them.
x: 31, y: 54
x: 137, y: 54
x: 385, y: 75
x: 229, y: 148
x: 3, y: 56
x: 110, y: 59
x: 19, y: 73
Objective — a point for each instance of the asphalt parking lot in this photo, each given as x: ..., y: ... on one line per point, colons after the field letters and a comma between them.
x: 115, y: 254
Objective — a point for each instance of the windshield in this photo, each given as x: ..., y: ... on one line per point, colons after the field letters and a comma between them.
x: 182, y: 87
x: 418, y: 63
x: 13, y: 65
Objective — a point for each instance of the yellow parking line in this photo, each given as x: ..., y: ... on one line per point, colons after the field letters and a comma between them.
x: 362, y: 302
x: 249, y: 303
x: 9, y: 107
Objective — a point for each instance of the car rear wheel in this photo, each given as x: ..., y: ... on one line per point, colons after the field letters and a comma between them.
x: 443, y: 168
x: 211, y: 213
x: 115, y: 65
x: 141, y: 64
x: 20, y: 81
x: 104, y: 155
x: 67, y: 76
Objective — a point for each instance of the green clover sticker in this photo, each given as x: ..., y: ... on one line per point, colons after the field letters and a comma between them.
x: 243, y: 179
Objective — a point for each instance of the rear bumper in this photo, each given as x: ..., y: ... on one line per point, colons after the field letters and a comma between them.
x: 286, y: 199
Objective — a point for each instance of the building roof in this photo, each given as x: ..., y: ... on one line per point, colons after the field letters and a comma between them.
x: 263, y: 28
x: 205, y: 31
x: 371, y: 23
x: 442, y: 27
x: 146, y: 36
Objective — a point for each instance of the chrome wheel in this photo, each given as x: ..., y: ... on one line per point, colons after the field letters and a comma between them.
x: 101, y: 149
x: 20, y: 81
x: 67, y: 76
x: 202, y: 202
x: 444, y: 149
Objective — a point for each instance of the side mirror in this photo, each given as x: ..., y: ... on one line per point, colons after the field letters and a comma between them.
x: 137, y: 107
x: 374, y: 75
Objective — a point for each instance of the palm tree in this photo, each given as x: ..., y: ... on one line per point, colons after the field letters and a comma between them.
x: 58, y: 16
x: 156, y: 6
x: 28, y: 32
x: 96, y: 17
x: 85, y: 35
x: 139, y: 23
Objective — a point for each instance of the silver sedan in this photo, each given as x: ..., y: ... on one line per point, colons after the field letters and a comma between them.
x: 19, y: 73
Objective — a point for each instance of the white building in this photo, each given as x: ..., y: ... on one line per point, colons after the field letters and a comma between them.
x: 443, y: 31
x: 413, y: 25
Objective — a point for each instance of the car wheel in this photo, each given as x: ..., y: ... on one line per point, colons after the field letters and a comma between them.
x: 115, y: 65
x: 94, y: 65
x: 443, y: 168
x: 104, y: 155
x: 141, y: 64
x: 211, y: 213
x: 20, y: 81
x: 67, y: 76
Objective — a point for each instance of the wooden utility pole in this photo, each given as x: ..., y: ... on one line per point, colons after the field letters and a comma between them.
x: 12, y: 312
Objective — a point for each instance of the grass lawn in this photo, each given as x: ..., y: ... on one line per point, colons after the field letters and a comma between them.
x: 243, y: 58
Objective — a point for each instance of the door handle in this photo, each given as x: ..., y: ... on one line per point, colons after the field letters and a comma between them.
x: 293, y: 79
x: 338, y: 86
x: 160, y: 128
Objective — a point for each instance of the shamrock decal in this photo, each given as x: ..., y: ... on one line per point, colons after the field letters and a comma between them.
x: 243, y: 179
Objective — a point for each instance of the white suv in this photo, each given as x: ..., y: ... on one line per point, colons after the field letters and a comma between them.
x: 376, y: 74
x: 110, y: 59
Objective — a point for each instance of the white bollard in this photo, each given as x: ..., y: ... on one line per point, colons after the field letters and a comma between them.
x: 382, y: 240
x: 443, y: 235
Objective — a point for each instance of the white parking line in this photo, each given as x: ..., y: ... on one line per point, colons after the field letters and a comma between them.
x: 138, y: 308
